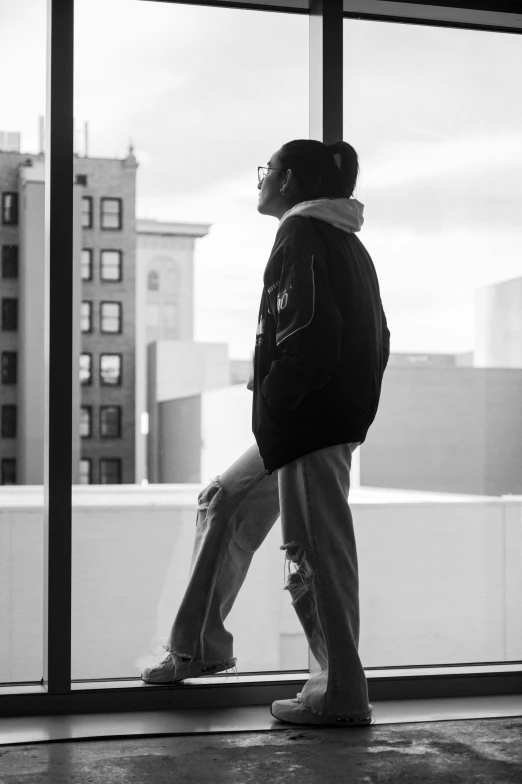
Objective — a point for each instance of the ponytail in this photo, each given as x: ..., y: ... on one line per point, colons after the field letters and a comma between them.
x: 321, y: 171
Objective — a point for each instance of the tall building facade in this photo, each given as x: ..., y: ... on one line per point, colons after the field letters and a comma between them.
x: 164, y: 311
x: 104, y: 317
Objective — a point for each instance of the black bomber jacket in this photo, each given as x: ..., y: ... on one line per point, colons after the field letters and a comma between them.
x: 322, y: 341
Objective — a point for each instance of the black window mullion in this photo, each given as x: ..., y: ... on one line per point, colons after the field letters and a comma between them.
x: 326, y: 70
x: 58, y: 348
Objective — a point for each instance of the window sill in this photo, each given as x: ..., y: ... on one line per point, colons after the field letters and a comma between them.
x: 251, y: 718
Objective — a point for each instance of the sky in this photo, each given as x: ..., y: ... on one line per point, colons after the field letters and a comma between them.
x: 207, y: 95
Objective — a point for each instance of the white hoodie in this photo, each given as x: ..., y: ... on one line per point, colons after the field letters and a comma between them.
x: 345, y: 214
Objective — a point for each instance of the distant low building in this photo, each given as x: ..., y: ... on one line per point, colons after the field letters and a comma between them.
x: 446, y: 429
x: 420, y: 359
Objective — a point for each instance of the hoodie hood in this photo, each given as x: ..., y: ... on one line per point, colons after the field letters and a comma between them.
x: 345, y: 214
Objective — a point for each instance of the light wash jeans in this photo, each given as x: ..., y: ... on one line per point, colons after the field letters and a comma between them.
x: 235, y: 513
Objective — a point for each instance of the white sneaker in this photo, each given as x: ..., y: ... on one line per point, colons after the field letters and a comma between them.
x: 172, y: 669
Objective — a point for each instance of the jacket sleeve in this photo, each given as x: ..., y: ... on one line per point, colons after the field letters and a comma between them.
x: 308, y: 329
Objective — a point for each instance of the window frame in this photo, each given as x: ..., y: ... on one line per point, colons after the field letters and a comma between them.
x: 14, y: 261
x: 6, y: 325
x: 111, y: 354
x: 90, y: 420
x: 13, y: 410
x: 119, y: 200
x: 89, y: 382
x: 90, y: 266
x: 57, y: 694
x: 15, y: 208
x: 120, y: 265
x: 90, y: 212
x: 91, y: 310
x: 104, y: 409
x: 118, y: 462
x: 4, y: 462
x: 118, y: 331
x: 89, y: 461
x: 3, y: 357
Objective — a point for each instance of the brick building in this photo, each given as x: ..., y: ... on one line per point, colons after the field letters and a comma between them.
x: 104, y: 263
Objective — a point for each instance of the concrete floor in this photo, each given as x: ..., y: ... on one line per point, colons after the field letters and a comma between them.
x: 464, y: 752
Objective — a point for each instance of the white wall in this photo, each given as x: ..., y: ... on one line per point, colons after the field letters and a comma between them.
x: 440, y: 580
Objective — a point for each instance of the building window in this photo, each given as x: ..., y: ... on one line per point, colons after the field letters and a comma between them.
x: 9, y: 367
x: 111, y: 266
x: 110, y: 422
x: 85, y: 471
x: 110, y: 212
x: 153, y: 281
x: 86, y: 264
x: 8, y: 421
x: 8, y: 476
x: 9, y: 314
x: 86, y: 421
x: 110, y: 471
x: 9, y: 261
x: 87, y: 212
x: 86, y: 316
x: 110, y: 317
x: 110, y: 370
x: 85, y: 369
x: 10, y: 209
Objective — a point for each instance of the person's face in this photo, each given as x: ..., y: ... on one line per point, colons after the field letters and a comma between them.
x: 271, y: 200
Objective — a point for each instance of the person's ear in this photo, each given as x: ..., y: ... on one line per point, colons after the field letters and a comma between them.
x: 288, y: 181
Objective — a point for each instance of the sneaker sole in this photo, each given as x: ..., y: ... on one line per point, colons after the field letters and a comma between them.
x: 318, y: 721
x: 202, y: 674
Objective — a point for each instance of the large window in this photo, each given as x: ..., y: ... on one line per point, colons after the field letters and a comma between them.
x: 440, y: 182
x: 23, y: 206
x: 412, y: 112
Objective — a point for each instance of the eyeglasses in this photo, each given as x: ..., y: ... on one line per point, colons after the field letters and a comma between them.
x: 262, y: 171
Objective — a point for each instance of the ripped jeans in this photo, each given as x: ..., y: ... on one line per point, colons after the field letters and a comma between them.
x: 235, y: 513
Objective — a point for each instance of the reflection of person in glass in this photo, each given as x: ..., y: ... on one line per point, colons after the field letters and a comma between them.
x: 321, y: 349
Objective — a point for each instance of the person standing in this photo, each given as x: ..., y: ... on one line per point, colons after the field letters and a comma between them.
x: 322, y: 346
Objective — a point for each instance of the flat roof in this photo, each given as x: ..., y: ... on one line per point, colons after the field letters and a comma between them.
x: 171, y: 228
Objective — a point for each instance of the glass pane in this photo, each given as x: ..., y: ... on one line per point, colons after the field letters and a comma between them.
x: 22, y: 243
x: 86, y: 262
x: 110, y: 265
x: 432, y: 116
x: 110, y: 369
x: 194, y: 250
